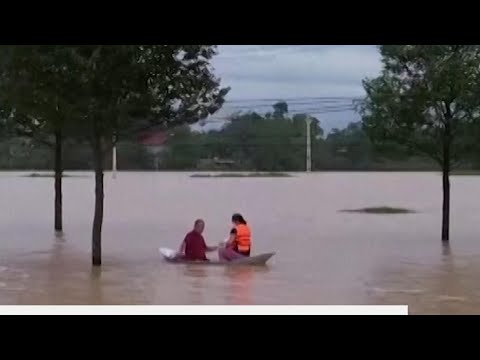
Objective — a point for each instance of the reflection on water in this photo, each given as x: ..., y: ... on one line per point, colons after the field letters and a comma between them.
x: 96, y: 291
x: 446, y: 250
x: 448, y: 287
x: 323, y: 256
x: 196, y: 275
x: 240, y: 281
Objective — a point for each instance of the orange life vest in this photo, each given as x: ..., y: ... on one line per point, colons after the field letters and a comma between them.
x: 243, y: 237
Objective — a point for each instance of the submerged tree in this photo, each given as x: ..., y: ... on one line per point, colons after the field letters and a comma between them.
x: 427, y: 98
x: 35, y: 100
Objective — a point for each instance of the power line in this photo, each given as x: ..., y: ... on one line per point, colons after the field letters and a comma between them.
x: 314, y: 106
x: 242, y: 144
x: 249, y: 136
x: 293, y: 99
x: 290, y: 104
x: 325, y: 109
x: 311, y: 111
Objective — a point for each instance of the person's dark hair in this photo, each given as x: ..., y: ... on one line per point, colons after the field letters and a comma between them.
x: 198, y: 221
x: 238, y: 218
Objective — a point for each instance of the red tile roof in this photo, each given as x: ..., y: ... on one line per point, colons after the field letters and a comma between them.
x: 153, y: 138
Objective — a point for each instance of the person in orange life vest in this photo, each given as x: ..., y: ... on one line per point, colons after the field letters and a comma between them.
x: 239, y: 243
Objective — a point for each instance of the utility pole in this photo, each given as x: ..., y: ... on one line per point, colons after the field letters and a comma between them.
x: 114, y: 158
x: 308, y: 122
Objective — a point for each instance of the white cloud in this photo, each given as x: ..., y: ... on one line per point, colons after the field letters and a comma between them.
x: 266, y: 71
x: 292, y: 71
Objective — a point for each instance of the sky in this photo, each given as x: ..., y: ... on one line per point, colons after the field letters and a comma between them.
x: 285, y: 72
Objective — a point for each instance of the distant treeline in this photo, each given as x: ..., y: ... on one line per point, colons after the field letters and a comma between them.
x: 26, y: 154
x: 271, y: 142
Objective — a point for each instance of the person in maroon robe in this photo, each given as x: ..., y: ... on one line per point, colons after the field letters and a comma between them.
x: 193, y: 247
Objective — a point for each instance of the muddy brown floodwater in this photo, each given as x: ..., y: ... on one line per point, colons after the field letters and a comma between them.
x: 323, y: 256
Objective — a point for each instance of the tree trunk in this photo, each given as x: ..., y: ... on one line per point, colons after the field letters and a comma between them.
x: 446, y: 164
x: 446, y: 206
x: 58, y: 180
x: 99, y: 195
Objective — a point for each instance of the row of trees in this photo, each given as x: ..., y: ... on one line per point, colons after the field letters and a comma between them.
x: 19, y: 153
x: 258, y: 142
x: 270, y: 142
x: 270, y: 146
x: 277, y: 142
x: 98, y: 94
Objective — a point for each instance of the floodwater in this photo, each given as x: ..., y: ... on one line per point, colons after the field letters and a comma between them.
x: 323, y: 256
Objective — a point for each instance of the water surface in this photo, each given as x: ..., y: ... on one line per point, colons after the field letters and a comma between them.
x: 323, y: 256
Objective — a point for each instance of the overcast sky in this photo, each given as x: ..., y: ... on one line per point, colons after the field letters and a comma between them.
x: 294, y: 71
x: 287, y: 71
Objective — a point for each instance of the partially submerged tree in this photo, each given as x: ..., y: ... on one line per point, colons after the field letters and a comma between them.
x: 427, y: 98
x: 35, y: 100
x: 121, y: 88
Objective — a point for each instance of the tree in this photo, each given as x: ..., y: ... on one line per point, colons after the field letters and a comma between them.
x: 35, y: 100
x: 121, y: 87
x: 280, y: 109
x: 426, y: 98
x: 353, y: 144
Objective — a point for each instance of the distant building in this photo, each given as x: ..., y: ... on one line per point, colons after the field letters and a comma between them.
x: 215, y: 163
x: 155, y: 142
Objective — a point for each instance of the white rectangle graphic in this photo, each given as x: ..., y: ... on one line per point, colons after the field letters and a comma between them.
x: 205, y: 310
